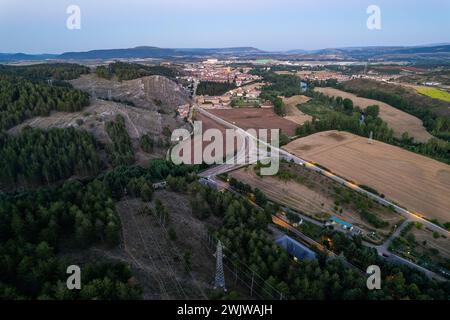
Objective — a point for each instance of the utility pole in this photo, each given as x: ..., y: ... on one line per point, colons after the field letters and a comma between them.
x: 371, y: 137
x: 219, y: 281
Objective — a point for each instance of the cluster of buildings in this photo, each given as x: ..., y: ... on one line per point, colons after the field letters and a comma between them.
x: 323, y: 75
x: 251, y: 91
x: 211, y: 70
x: 244, y: 96
x: 346, y: 226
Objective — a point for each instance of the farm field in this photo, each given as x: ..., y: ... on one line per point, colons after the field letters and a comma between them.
x: 406, y: 91
x: 434, y: 93
x: 289, y: 193
x: 293, y: 113
x: 396, y: 119
x: 256, y: 118
x: 207, y: 123
x: 419, y: 183
x: 312, y: 194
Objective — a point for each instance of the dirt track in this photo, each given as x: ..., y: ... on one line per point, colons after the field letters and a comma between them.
x: 419, y: 183
x: 396, y: 119
x: 293, y: 113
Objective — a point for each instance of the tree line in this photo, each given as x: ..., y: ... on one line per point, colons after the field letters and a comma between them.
x: 130, y: 71
x: 121, y: 150
x: 278, y: 86
x: 46, y: 71
x: 437, y: 125
x: 337, y: 114
x: 212, y: 88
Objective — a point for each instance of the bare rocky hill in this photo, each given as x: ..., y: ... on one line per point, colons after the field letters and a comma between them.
x: 155, y: 93
x: 147, y: 104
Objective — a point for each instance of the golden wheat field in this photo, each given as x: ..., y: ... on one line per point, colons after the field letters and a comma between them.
x: 419, y: 183
x: 396, y: 119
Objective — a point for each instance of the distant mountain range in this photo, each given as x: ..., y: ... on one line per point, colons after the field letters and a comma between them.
x: 430, y: 52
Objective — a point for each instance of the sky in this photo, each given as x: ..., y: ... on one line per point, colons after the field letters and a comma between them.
x: 39, y: 26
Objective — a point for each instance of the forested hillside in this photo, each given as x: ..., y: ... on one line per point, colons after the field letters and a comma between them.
x: 121, y: 151
x: 33, y: 226
x: 36, y: 227
x: 21, y: 99
x: 36, y: 157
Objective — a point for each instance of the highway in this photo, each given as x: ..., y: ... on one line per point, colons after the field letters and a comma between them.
x: 293, y: 158
x: 382, y: 250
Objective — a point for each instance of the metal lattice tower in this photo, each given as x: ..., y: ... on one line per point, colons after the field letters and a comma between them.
x: 219, y: 281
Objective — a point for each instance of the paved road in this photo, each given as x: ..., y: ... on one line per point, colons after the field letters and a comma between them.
x: 304, y: 217
x: 382, y: 250
x: 280, y: 221
x: 290, y: 157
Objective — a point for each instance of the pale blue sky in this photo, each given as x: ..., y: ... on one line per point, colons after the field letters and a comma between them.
x: 37, y: 26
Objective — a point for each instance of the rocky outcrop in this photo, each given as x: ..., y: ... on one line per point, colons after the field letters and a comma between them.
x: 164, y: 92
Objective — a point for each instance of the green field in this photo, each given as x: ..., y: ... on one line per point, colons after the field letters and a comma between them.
x: 434, y: 93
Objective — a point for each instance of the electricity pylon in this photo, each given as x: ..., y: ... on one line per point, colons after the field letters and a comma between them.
x: 219, y: 281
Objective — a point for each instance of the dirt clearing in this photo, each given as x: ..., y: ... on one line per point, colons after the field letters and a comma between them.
x: 147, y: 246
x: 293, y: 113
